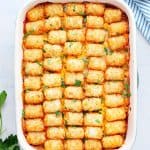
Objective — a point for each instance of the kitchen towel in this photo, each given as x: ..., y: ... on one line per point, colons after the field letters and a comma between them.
x: 141, y: 10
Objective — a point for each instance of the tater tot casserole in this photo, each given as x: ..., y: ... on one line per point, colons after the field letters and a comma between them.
x: 76, y: 83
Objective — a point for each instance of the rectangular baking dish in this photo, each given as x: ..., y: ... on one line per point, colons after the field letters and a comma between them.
x: 131, y: 132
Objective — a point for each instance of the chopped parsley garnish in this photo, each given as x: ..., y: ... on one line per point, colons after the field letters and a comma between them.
x: 27, y: 34
x: 46, y: 41
x: 85, y: 60
x: 85, y: 19
x: 97, y: 121
x: 77, y: 83
x: 63, y: 84
x: 108, y: 51
x: 74, y: 8
x: 74, y: 100
x: 70, y: 44
x: 39, y: 63
x: 23, y: 113
x: 57, y: 113
x: 43, y: 50
x: 126, y: 92
x: 61, y: 28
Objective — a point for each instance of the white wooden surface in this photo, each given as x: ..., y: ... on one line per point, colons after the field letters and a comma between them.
x: 8, y: 13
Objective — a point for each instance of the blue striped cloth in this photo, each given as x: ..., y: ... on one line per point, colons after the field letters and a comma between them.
x: 141, y: 10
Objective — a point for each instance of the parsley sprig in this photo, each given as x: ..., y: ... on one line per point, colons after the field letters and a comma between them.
x: 77, y: 83
x: 10, y: 143
x: 3, y: 96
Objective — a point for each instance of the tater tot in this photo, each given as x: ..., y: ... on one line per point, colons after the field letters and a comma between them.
x: 93, y: 132
x: 112, y: 15
x: 73, y: 145
x: 94, y: 22
x: 33, y: 55
x: 93, y: 145
x: 76, y: 35
x: 54, y: 145
x: 97, y: 63
x: 73, y: 48
x: 118, y: 42
x: 51, y: 79
x: 33, y: 111
x: 36, y: 13
x: 74, y: 65
x: 75, y: 133
x: 94, y: 76
x: 53, y: 119
x: 74, y: 92
x: 33, y: 68
x: 73, y: 105
x: 52, y: 106
x: 34, y: 125
x: 55, y: 133
x: 32, y: 83
x: 33, y: 97
x: 91, y: 104
x: 93, y: 90
x: 53, y: 10
x: 116, y: 59
x: 74, y: 9
x: 95, y: 9
x: 113, y: 114
x: 57, y: 37
x: 116, y: 127
x: 73, y: 118
x: 114, y: 100
x: 93, y: 119
x: 34, y: 41
x: 52, y: 50
x: 96, y: 35
x: 71, y: 78
x: 114, y: 141
x: 52, y: 23
x: 53, y: 93
x: 73, y: 22
x: 113, y: 87
x: 113, y: 73
x: 36, y: 27
x: 53, y: 64
x: 36, y: 138
x: 94, y: 50
x: 118, y: 28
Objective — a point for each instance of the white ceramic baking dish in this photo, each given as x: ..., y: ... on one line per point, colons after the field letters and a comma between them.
x: 131, y: 132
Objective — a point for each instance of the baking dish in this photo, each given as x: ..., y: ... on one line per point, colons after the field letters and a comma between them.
x: 18, y: 65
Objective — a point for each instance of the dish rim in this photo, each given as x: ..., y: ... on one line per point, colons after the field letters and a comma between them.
x: 131, y: 133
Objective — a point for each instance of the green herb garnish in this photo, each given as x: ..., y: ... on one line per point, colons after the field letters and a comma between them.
x: 61, y: 28
x: 85, y: 19
x: 85, y: 60
x: 39, y: 63
x: 3, y: 96
x: 70, y: 44
x: 43, y: 50
x: 77, y: 83
x: 10, y: 143
x: 23, y: 113
x: 97, y: 121
x: 63, y: 84
x: 108, y: 51
x: 74, y: 100
x: 27, y: 34
x: 74, y: 8
x: 126, y: 92
x: 57, y: 113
